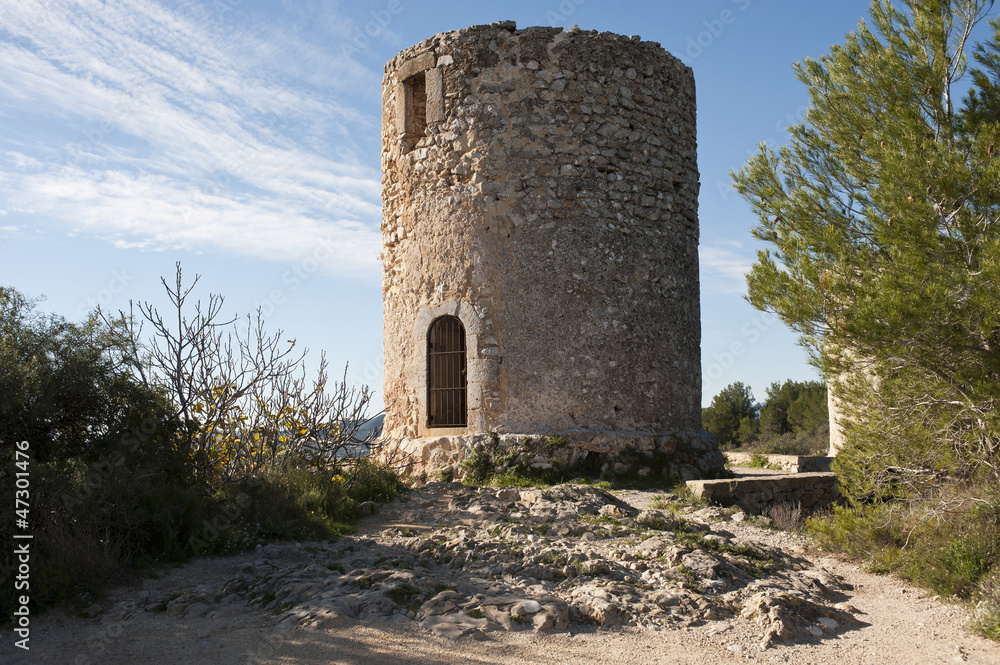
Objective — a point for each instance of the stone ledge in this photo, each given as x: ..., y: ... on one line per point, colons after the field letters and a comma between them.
x: 810, y: 490
x: 671, y: 454
x: 788, y: 463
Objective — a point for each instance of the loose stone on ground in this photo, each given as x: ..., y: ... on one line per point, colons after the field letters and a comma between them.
x: 457, y: 574
x: 464, y: 562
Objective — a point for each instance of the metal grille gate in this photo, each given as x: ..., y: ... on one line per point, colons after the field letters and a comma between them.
x: 446, y: 379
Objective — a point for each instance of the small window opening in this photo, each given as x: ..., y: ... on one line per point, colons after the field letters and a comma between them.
x: 447, y: 398
x: 416, y: 107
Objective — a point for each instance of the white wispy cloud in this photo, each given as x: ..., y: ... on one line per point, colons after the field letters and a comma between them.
x: 156, y: 127
x: 724, y: 266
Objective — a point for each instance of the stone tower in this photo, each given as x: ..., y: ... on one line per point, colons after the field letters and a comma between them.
x: 540, y: 249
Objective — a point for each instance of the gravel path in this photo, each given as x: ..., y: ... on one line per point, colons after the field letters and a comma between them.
x: 895, y: 623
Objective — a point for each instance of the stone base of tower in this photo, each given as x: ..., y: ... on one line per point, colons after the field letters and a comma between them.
x: 668, y: 455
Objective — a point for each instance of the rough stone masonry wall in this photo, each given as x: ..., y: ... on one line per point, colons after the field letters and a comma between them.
x: 787, y: 463
x: 754, y: 495
x: 550, y: 203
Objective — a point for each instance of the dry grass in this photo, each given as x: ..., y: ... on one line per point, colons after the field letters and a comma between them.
x: 786, y: 516
x: 75, y: 559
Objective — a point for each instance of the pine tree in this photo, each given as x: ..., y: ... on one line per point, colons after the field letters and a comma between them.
x: 732, y: 415
x: 794, y: 406
x: 882, y: 219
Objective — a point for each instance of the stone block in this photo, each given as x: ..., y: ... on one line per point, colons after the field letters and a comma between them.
x: 753, y: 495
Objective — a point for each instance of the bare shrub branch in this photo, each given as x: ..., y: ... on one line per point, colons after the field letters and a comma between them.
x: 242, y: 394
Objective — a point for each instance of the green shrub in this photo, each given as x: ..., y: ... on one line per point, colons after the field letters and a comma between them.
x: 478, y: 466
x: 985, y: 618
x: 402, y: 595
x: 808, y: 444
x: 307, y: 503
x: 92, y: 524
x: 110, y: 488
x: 953, y: 555
x: 113, y: 487
x: 371, y: 480
x: 861, y: 533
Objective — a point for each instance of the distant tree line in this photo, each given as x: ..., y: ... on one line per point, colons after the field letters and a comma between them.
x: 793, y: 419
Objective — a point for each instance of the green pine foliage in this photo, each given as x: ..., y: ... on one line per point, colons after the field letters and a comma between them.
x: 731, y: 415
x: 794, y: 407
x: 881, y: 224
x: 793, y: 420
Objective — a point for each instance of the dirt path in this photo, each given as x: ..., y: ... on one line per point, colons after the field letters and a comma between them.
x: 898, y: 624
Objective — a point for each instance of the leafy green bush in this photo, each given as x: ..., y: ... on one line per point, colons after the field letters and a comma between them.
x: 113, y: 486
x: 109, y: 486
x: 478, y: 466
x: 985, y: 618
x: 306, y: 503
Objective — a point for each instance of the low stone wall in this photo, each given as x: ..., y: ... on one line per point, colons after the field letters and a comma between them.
x: 788, y: 463
x: 754, y: 495
x: 671, y: 455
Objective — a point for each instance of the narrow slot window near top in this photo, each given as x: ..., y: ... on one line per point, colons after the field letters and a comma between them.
x: 415, y: 88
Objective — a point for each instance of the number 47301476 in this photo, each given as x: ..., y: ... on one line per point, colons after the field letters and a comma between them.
x: 21, y: 461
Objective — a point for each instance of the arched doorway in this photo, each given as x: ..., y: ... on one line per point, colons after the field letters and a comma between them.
x: 447, y: 399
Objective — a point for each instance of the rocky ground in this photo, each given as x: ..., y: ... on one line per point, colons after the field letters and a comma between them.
x: 455, y: 570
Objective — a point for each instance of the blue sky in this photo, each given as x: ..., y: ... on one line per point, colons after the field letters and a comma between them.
x: 242, y: 139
